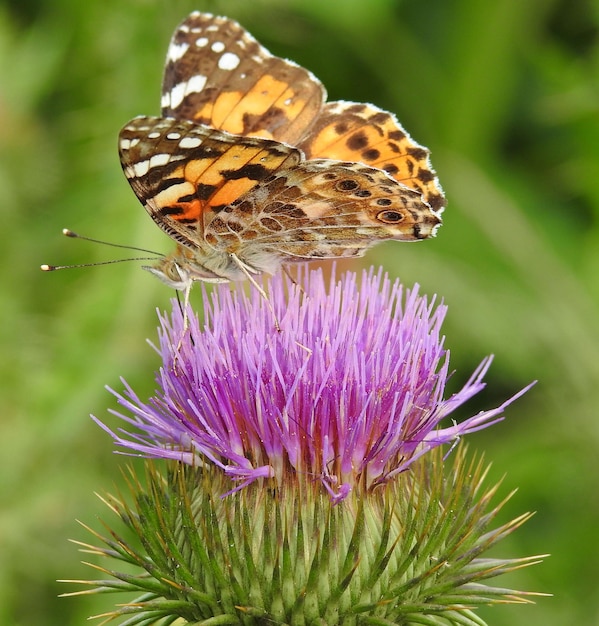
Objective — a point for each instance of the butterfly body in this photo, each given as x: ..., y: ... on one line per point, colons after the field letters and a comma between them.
x: 248, y: 169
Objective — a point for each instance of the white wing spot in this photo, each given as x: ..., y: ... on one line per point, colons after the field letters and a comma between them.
x: 190, y: 142
x: 173, y: 136
x: 142, y: 128
x: 228, y: 61
x: 159, y: 159
x: 201, y: 42
x: 153, y: 135
x: 195, y: 84
x: 176, y: 51
x: 217, y: 46
x: 178, y: 93
x: 140, y: 169
x: 127, y: 144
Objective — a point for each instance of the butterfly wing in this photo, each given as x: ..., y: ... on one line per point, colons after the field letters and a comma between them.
x: 216, y: 172
x: 351, y: 131
x: 217, y: 74
x: 219, y: 194
x: 185, y: 174
x: 322, y: 209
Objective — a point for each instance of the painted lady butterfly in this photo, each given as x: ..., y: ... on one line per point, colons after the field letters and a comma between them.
x: 249, y: 168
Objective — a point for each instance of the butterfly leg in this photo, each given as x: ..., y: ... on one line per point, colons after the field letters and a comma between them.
x: 294, y: 282
x: 247, y: 271
x: 185, y: 318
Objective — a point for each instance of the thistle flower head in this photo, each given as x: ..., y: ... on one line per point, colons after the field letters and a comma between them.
x: 348, y: 394
x: 328, y: 413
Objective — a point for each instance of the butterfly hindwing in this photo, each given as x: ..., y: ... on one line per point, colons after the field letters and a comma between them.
x: 351, y: 131
x: 324, y: 209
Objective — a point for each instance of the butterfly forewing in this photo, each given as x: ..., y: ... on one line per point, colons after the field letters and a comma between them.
x: 217, y: 74
x: 185, y: 173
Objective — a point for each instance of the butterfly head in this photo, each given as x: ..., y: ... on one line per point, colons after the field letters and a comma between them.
x: 179, y: 272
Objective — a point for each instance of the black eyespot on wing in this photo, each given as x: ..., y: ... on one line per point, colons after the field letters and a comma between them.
x: 390, y: 217
x: 347, y: 184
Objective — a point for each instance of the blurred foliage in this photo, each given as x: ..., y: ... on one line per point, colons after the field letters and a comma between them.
x: 506, y: 95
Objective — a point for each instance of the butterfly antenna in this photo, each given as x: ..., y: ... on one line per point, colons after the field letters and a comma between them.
x: 69, y: 233
x: 52, y: 268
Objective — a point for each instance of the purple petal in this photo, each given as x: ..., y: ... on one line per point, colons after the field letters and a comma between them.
x: 349, y: 392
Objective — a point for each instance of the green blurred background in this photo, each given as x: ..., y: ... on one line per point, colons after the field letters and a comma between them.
x: 506, y: 95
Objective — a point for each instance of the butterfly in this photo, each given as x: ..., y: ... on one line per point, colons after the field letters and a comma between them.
x: 249, y: 168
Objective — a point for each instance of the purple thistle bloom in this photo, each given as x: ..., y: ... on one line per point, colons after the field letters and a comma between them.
x: 349, y: 392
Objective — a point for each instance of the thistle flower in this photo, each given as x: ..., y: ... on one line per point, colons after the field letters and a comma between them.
x: 306, y: 480
x: 349, y: 392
